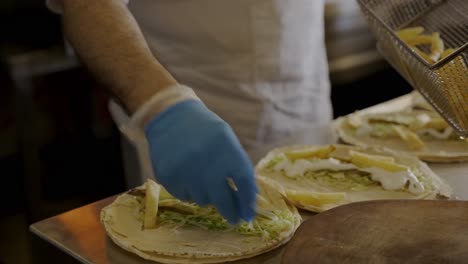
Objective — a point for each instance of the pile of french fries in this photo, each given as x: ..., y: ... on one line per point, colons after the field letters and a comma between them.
x: 415, y: 38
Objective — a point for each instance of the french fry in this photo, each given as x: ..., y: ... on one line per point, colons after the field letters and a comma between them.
x: 411, y: 139
x: 365, y: 161
x: 423, y: 55
x: 315, y: 198
x: 437, y: 123
x: 370, y: 156
x: 321, y: 153
x: 437, y: 47
x: 409, y: 33
x: 151, y: 204
x: 420, y: 40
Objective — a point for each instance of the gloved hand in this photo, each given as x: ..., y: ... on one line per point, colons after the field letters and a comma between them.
x: 194, y: 152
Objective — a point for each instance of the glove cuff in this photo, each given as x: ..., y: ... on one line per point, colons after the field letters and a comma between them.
x: 159, y: 102
x: 133, y: 127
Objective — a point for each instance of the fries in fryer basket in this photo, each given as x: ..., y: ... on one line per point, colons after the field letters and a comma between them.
x: 415, y: 38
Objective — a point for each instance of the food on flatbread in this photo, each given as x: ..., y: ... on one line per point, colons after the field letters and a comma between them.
x: 347, y: 174
x: 418, y: 132
x: 183, y: 232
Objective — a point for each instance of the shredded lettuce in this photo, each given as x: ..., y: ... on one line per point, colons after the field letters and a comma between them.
x: 268, y: 224
x: 205, y: 218
x: 345, y: 180
x: 427, y: 183
x: 272, y: 163
x: 382, y: 130
x: 208, y: 218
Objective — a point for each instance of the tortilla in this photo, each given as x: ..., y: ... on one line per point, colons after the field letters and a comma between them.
x: 446, y: 147
x: 183, y: 243
x: 323, y: 188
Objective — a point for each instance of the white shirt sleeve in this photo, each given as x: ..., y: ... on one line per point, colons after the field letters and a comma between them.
x: 56, y: 5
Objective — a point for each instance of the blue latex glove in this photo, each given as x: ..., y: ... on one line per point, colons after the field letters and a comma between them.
x: 193, y: 153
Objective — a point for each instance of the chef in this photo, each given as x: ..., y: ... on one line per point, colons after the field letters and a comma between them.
x: 207, y: 81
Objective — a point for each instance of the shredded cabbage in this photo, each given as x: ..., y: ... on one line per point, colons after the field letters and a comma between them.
x: 427, y: 183
x: 207, y: 218
x: 272, y: 163
x: 345, y: 180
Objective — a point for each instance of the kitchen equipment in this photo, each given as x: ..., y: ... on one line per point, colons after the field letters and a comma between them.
x: 351, y: 50
x: 444, y: 83
x: 384, y: 232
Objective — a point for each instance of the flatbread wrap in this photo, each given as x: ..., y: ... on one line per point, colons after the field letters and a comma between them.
x: 318, y: 178
x: 182, y: 232
x: 418, y: 132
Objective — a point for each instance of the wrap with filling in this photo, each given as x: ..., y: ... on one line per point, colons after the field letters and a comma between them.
x: 422, y: 133
x: 182, y: 232
x: 318, y: 178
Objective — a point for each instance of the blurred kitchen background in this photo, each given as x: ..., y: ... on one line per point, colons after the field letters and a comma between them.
x: 58, y: 146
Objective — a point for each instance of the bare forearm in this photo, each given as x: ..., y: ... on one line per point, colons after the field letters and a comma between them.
x: 109, y: 41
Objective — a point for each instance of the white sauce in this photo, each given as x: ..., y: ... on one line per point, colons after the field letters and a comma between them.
x: 389, y: 180
x: 396, y: 180
x: 423, y: 119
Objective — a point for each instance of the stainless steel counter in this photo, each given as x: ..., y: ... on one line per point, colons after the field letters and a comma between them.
x: 80, y: 233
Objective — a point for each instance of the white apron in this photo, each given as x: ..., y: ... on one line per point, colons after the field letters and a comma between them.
x: 259, y: 64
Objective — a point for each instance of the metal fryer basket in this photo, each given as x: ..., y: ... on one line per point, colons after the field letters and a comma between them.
x: 444, y: 84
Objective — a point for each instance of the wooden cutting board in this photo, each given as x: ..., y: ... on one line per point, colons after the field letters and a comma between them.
x: 384, y: 232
